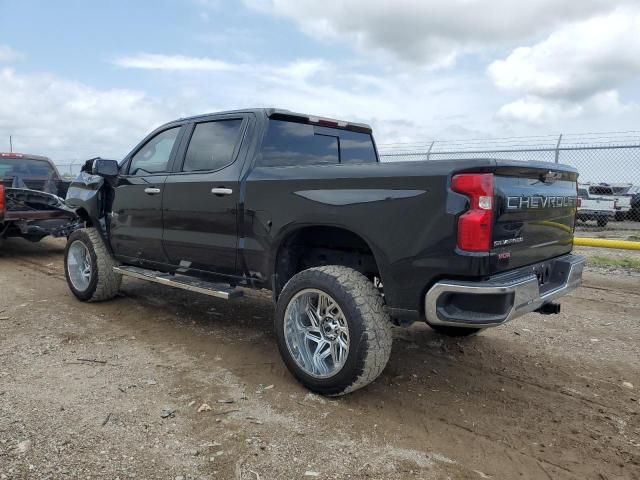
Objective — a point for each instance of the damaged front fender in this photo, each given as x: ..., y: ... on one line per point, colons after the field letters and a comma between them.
x: 90, y: 196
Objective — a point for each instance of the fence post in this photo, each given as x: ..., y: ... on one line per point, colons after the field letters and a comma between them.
x: 558, y: 148
x: 429, y: 151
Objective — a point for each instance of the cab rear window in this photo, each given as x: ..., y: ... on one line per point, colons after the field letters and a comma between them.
x: 26, y: 169
x: 290, y: 144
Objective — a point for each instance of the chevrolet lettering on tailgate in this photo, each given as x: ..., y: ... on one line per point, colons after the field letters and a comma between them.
x: 539, y: 201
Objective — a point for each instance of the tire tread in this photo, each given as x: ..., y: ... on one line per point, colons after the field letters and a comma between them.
x: 376, y: 322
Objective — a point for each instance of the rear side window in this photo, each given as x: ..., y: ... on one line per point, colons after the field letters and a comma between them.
x: 289, y: 143
x: 212, y: 145
x: 582, y: 193
x: 600, y: 190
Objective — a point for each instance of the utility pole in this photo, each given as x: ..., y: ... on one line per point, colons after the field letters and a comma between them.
x: 10, y: 144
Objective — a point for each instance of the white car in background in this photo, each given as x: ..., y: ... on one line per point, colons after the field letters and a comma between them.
x: 614, y: 191
x: 598, y: 209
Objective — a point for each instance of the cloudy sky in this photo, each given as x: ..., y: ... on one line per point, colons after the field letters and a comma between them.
x: 85, y: 78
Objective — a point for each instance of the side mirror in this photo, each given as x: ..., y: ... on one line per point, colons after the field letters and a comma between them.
x: 105, y: 168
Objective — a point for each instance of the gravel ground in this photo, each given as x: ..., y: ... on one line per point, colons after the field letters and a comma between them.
x: 161, y: 383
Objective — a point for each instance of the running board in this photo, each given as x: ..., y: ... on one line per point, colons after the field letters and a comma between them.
x: 181, y: 281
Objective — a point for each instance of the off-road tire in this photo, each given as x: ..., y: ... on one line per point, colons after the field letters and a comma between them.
x: 456, y: 331
x: 104, y: 283
x: 369, y: 327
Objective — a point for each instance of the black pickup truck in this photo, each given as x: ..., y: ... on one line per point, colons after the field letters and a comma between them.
x: 301, y: 206
x: 31, y: 198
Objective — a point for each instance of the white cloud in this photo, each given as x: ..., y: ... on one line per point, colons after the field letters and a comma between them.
x: 577, y: 70
x: 69, y: 120
x: 152, y: 61
x: 576, y: 61
x: 430, y: 32
x: 9, y: 55
x: 539, y: 111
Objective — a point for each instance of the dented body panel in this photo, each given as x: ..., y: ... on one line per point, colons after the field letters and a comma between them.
x: 33, y: 215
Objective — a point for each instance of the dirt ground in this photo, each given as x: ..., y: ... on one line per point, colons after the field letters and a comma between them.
x: 112, y: 390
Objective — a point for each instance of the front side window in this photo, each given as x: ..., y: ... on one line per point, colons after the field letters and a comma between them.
x: 154, y: 156
x: 212, y: 145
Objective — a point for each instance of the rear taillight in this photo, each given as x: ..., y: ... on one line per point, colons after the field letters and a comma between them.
x: 578, y: 202
x: 475, y: 227
x: 3, y: 202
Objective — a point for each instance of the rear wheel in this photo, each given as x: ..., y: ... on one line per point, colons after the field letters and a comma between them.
x: 88, y: 266
x: 333, y: 333
x: 456, y: 331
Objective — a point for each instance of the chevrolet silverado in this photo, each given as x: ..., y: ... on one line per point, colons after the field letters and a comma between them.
x: 348, y: 246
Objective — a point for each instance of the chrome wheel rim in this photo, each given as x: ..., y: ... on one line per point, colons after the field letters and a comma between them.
x: 79, y: 265
x: 316, y: 333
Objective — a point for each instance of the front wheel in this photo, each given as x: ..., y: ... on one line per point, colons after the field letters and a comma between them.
x: 88, y: 266
x: 333, y: 333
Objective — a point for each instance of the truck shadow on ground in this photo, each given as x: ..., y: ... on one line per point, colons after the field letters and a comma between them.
x: 18, y: 247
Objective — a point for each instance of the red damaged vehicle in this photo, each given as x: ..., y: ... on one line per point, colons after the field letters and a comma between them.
x: 32, y: 198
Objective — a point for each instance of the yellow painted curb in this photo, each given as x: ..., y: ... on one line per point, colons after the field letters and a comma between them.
x: 604, y: 243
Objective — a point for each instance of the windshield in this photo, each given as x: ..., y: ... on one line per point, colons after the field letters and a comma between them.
x: 26, y: 169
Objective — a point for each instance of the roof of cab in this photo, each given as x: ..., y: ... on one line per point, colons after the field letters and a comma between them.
x: 274, y: 112
x: 26, y: 156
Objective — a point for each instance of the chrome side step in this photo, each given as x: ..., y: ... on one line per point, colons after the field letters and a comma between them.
x: 181, y: 281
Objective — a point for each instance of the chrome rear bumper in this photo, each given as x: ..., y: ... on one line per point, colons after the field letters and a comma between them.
x: 503, y: 297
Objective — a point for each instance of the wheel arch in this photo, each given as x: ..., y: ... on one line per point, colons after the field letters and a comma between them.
x: 311, y: 245
x: 99, y: 224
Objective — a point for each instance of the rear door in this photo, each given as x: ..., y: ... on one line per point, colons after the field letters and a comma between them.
x: 535, y: 214
x: 201, y: 196
x: 136, y: 221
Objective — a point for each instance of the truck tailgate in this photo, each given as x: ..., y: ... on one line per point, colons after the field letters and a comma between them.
x: 535, y: 213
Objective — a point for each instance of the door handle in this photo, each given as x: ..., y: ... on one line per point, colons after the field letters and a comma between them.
x: 151, y: 190
x: 221, y: 191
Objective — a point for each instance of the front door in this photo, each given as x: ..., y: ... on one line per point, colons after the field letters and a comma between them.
x: 136, y: 218
x: 201, y: 198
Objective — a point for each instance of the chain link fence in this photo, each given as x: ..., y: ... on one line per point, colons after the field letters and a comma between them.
x: 609, y: 166
x: 69, y: 169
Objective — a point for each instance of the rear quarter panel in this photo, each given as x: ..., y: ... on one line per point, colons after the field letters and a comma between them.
x: 404, y: 211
